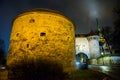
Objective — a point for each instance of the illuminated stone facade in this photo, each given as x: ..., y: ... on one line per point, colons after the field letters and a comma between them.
x: 88, y: 44
x: 82, y: 45
x: 42, y: 33
x: 94, y: 46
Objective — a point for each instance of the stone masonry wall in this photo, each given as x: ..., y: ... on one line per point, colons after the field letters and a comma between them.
x: 43, y: 34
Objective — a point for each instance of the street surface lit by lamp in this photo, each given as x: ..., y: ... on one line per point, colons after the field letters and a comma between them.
x: 105, y: 68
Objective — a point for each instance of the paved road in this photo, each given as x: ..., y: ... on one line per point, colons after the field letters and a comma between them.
x: 113, y: 71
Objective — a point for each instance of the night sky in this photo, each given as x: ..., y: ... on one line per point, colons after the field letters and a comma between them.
x: 82, y: 12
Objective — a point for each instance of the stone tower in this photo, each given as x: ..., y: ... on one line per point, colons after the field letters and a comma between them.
x: 94, y: 46
x: 42, y: 33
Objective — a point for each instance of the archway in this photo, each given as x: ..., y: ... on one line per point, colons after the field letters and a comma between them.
x: 82, y: 60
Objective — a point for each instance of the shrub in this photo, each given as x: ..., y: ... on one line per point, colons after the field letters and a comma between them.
x: 42, y: 69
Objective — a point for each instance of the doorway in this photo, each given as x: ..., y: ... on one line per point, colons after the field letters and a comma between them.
x: 82, y: 60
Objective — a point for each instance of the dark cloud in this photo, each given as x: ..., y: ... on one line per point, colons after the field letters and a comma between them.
x: 1, y: 2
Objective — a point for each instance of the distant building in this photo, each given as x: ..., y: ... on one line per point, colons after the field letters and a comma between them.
x: 92, y: 45
x: 88, y: 44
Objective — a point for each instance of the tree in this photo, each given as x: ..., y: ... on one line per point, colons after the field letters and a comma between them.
x: 39, y: 69
x: 116, y: 33
x: 2, y: 52
x: 107, y: 34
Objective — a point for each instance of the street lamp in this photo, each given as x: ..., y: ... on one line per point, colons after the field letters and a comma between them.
x: 102, y: 54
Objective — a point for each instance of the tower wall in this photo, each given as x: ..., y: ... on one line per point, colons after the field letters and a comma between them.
x: 42, y: 34
x: 94, y: 46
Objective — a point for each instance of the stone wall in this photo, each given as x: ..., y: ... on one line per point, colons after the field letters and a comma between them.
x: 109, y: 60
x: 42, y: 33
x: 94, y: 46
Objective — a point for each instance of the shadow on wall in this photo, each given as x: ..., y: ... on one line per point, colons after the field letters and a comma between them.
x: 42, y: 69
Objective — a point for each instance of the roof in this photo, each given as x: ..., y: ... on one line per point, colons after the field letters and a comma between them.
x: 92, y: 33
x: 81, y: 35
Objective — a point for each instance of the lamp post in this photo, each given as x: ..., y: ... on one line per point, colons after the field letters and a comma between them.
x: 102, y: 54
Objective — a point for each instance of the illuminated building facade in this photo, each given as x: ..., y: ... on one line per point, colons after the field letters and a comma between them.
x: 42, y: 33
x: 90, y: 47
x: 87, y: 44
x: 82, y: 45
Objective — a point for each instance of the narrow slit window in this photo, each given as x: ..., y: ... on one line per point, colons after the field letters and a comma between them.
x: 27, y: 45
x: 42, y: 34
x: 31, y: 21
x: 17, y: 34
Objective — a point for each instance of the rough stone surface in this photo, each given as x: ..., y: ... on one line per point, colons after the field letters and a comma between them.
x: 44, y: 34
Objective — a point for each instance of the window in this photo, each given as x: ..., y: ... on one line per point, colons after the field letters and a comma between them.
x: 42, y: 34
x: 17, y: 34
x: 27, y: 45
x: 31, y: 21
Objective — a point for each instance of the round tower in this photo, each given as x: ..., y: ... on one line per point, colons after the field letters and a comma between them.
x: 42, y: 33
x: 94, y: 46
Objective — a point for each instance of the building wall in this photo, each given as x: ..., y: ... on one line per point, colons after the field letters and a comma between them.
x: 94, y: 46
x: 43, y: 34
x: 88, y: 45
x: 82, y: 45
x: 109, y: 60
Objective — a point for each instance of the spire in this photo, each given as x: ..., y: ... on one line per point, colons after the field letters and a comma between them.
x: 102, y: 40
x: 98, y: 28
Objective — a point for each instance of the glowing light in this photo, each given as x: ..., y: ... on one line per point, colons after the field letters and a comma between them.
x: 77, y: 63
x: 102, y: 53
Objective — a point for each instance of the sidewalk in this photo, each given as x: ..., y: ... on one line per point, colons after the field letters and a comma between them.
x: 112, y: 71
